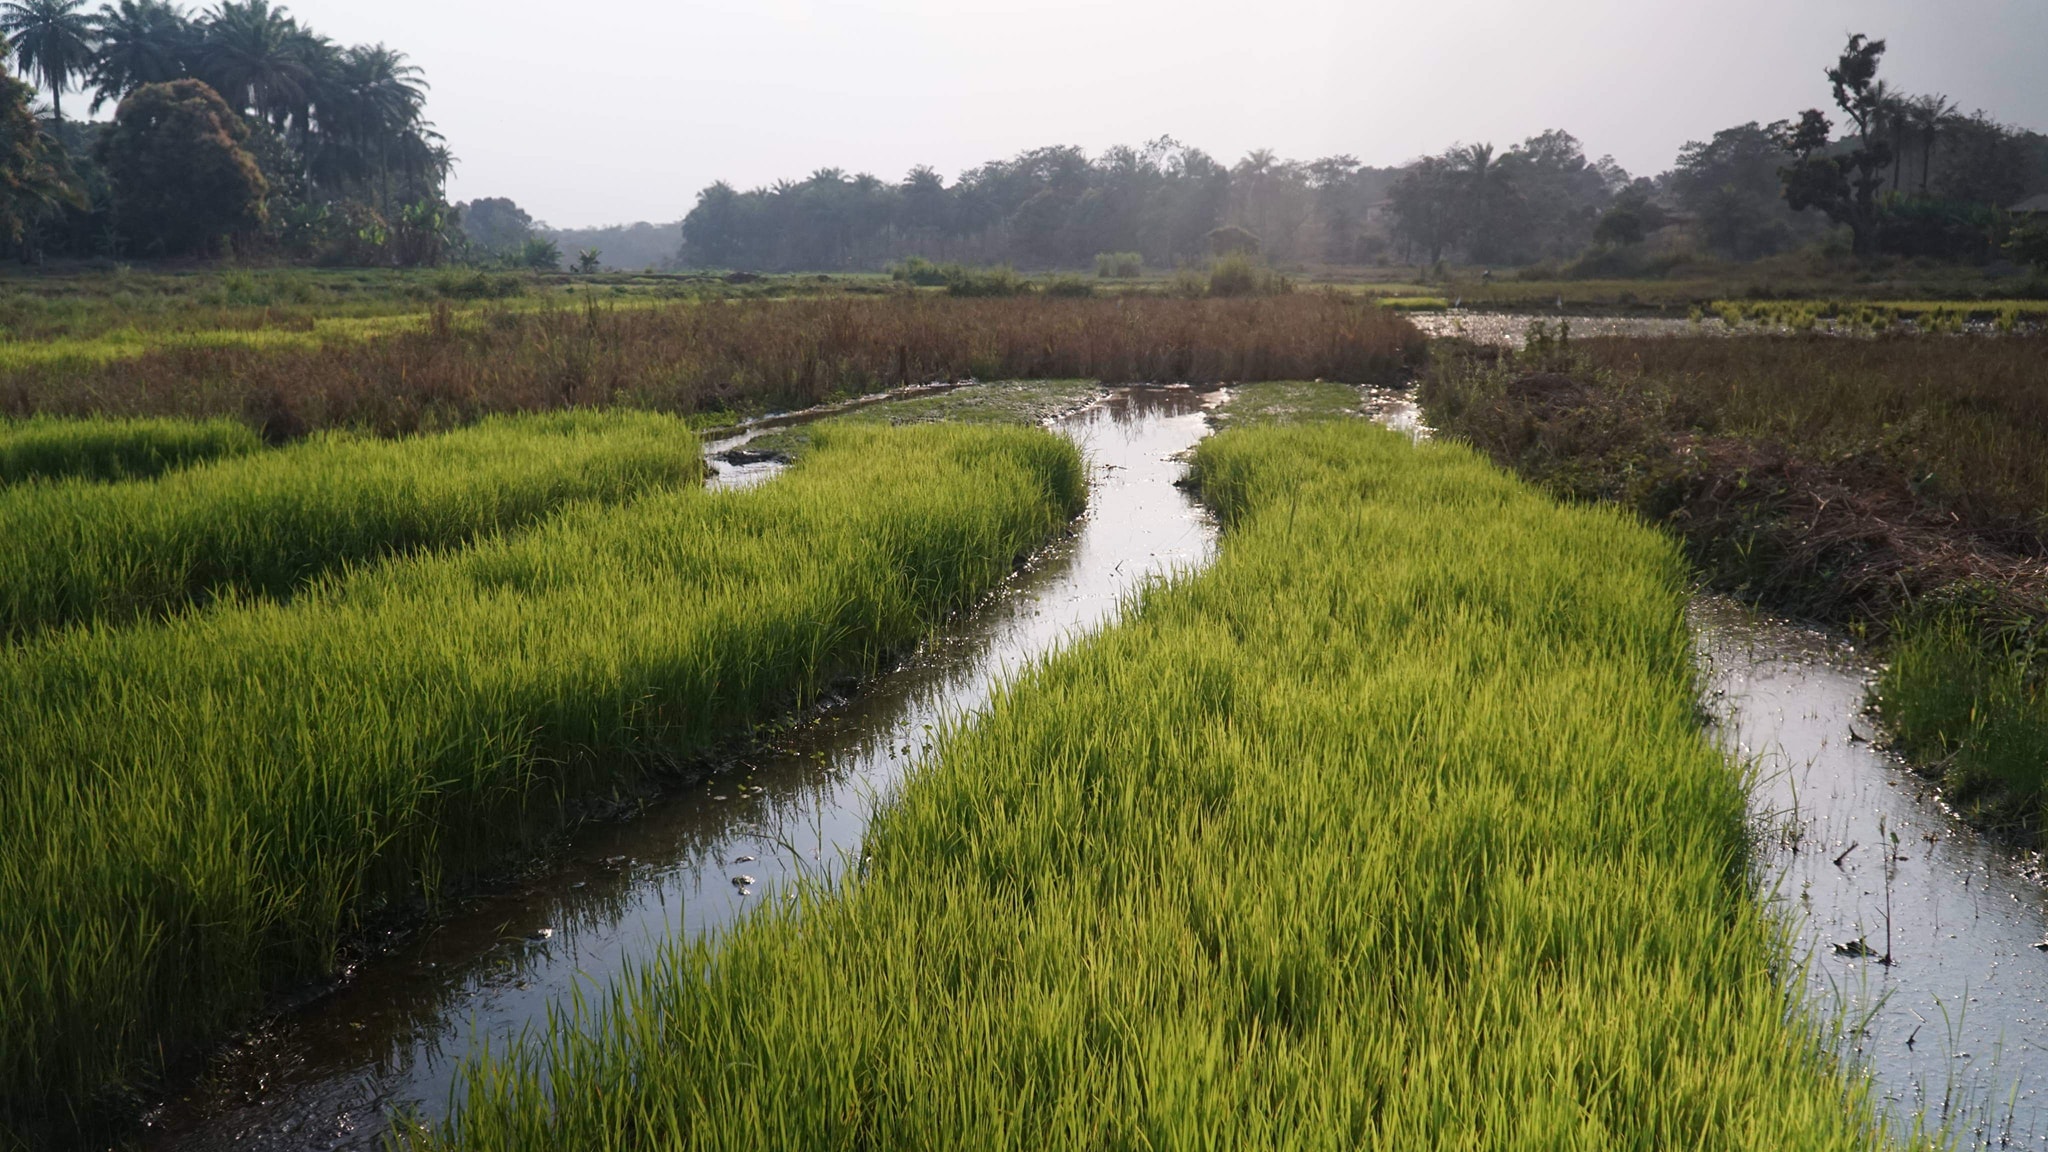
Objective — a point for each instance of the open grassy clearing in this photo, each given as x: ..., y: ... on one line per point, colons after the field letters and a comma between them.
x: 746, y: 356
x: 1394, y: 829
x: 103, y: 449
x: 204, y: 810
x: 1896, y: 486
x: 264, y: 524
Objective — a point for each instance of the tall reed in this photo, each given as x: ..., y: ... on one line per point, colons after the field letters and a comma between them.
x: 738, y: 355
x: 1395, y: 829
x: 265, y: 524
x: 201, y: 811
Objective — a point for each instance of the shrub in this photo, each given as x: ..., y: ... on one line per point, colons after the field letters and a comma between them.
x: 478, y: 285
x: 1119, y: 265
x: 921, y: 272
x: 1000, y: 281
x: 1243, y: 276
x: 1066, y: 286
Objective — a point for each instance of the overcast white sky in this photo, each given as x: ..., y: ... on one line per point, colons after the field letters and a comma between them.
x: 610, y: 111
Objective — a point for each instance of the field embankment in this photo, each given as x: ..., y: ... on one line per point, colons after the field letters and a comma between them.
x: 203, y: 810
x: 725, y: 355
x: 103, y: 449
x: 266, y: 523
x: 1395, y: 828
x: 1896, y: 486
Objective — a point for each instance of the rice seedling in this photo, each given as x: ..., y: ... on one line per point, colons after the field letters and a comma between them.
x: 201, y: 811
x: 102, y: 449
x: 1394, y: 829
x: 265, y: 524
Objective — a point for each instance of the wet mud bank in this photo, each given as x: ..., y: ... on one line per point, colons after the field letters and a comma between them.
x: 1920, y: 938
x: 331, y: 1074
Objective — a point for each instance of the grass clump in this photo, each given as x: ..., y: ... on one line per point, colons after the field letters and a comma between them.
x: 1394, y: 829
x: 107, y: 449
x: 202, y: 811
x: 265, y: 524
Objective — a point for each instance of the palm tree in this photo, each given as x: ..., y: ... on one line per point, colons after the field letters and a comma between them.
x: 259, y: 59
x: 1929, y: 114
x: 364, y: 114
x: 1891, y: 115
x: 141, y: 42
x: 53, y: 41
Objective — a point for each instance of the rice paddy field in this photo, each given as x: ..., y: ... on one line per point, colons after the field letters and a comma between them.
x: 331, y: 601
x: 264, y: 524
x: 103, y: 449
x: 1393, y: 829
x: 202, y: 810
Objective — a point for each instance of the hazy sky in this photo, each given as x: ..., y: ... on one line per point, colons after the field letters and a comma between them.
x: 604, y: 111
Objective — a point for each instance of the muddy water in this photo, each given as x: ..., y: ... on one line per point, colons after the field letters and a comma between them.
x: 1955, y: 1028
x: 329, y: 1075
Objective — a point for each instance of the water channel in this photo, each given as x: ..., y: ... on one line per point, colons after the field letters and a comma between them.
x: 1955, y: 1028
x: 329, y: 1075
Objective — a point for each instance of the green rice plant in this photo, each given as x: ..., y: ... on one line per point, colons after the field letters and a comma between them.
x: 265, y: 524
x: 201, y: 811
x: 1395, y: 829
x: 99, y: 448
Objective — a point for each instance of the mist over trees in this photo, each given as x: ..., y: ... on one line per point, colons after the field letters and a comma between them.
x: 241, y: 131
x: 1049, y: 207
x: 1910, y: 176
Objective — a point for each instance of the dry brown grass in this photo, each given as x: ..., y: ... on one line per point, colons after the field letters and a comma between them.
x: 734, y: 355
x: 1844, y: 479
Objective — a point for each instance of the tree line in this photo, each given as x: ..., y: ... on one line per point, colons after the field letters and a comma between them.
x: 237, y: 129
x: 1911, y: 176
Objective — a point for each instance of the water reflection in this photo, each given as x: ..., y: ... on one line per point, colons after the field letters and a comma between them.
x: 1956, y: 1027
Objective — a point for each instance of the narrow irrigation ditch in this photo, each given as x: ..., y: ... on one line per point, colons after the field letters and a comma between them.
x: 1925, y: 949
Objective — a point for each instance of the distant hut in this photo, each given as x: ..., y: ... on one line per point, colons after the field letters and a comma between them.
x: 2033, y: 207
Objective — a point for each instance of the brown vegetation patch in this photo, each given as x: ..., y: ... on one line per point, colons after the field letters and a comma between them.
x: 1847, y: 481
x: 734, y: 355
